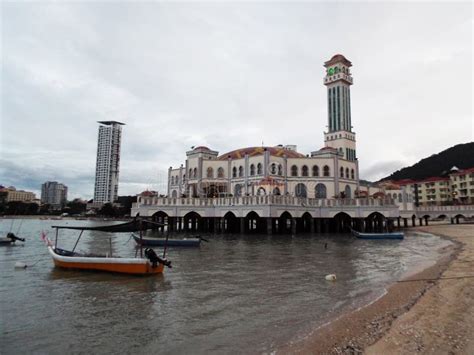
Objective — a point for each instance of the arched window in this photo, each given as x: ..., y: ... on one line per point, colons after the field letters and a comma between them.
x: 300, y: 190
x: 195, y: 172
x: 304, y: 170
x: 252, y: 170
x: 280, y: 170
x: 400, y: 198
x: 341, y: 172
x: 238, y: 190
x: 276, y: 191
x: 190, y: 173
x: 259, y: 170
x: 294, y: 170
x: 320, y: 191
x: 315, y: 170
x: 273, y: 169
x: 261, y: 191
x: 326, y: 171
x: 210, y: 173
x: 176, y: 180
x: 220, y: 172
x: 234, y: 172
x: 184, y: 177
x: 241, y: 171
x: 347, y: 173
x: 174, y: 194
x: 352, y: 174
x: 347, y: 192
x: 172, y: 180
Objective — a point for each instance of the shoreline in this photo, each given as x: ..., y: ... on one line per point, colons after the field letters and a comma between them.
x: 366, y: 329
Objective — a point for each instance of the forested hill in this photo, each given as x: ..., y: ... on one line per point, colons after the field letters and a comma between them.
x: 461, y: 156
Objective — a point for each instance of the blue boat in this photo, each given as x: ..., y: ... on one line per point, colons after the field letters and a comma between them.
x: 185, y: 242
x: 394, y: 235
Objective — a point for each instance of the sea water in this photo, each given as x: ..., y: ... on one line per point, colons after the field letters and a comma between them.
x: 235, y: 294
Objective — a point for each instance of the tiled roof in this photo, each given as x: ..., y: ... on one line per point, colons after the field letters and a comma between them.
x: 270, y: 181
x: 463, y: 172
x: 336, y: 59
x: 254, y: 151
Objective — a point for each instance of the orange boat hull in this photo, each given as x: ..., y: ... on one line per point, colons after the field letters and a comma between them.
x: 136, y: 266
x: 138, y: 269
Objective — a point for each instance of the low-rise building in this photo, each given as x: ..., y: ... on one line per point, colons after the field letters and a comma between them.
x: 462, y: 186
x: 12, y: 194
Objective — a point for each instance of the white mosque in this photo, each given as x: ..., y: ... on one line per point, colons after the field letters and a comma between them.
x: 329, y: 172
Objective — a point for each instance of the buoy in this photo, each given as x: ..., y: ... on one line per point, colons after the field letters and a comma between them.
x: 20, y: 265
x: 331, y: 277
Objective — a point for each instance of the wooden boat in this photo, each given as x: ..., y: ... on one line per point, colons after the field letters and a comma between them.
x: 148, y: 264
x: 185, y: 242
x: 138, y: 266
x: 10, y: 239
x: 395, y: 235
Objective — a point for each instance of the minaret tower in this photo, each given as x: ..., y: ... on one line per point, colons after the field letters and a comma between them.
x: 338, y: 80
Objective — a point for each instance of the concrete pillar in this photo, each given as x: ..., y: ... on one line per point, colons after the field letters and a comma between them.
x: 221, y: 227
x: 293, y: 226
x: 421, y: 221
x: 426, y: 220
x: 398, y: 222
x: 269, y: 225
x: 171, y: 224
x: 452, y: 220
x: 242, y: 225
x: 457, y: 219
x: 405, y: 222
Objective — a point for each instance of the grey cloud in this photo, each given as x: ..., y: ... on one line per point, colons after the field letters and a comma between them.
x: 224, y: 75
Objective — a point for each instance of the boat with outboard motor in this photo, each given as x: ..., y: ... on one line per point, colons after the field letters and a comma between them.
x: 184, y: 242
x: 147, y: 263
x: 10, y: 239
x: 393, y: 235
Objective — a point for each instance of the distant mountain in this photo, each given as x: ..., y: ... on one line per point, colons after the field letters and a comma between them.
x: 461, y: 156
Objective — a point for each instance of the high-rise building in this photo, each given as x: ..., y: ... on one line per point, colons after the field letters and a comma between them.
x: 108, y: 162
x: 54, y: 194
x: 338, y: 80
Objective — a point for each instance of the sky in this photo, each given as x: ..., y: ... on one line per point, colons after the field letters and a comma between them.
x: 224, y: 75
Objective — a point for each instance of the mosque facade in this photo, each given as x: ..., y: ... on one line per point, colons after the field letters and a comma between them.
x: 330, y: 172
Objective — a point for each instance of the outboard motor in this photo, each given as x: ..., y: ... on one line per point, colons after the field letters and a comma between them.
x: 155, y: 259
x: 14, y: 238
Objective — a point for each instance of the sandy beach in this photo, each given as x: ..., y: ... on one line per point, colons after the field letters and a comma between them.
x: 417, y: 315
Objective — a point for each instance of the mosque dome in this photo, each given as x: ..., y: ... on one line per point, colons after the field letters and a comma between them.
x: 278, y: 151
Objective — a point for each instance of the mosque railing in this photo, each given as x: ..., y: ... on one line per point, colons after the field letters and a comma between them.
x: 261, y: 200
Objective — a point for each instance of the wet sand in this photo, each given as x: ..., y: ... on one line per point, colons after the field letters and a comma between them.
x: 426, y: 317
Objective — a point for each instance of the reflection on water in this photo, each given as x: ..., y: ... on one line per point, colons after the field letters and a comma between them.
x: 238, y: 293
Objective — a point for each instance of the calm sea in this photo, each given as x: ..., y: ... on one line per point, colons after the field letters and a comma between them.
x: 235, y: 294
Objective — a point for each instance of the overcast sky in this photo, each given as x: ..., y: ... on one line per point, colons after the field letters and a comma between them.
x: 226, y: 76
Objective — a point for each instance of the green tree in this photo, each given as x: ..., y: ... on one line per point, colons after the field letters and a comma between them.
x: 108, y: 210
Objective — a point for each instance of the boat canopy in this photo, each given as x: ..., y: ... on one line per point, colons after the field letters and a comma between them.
x: 127, y: 227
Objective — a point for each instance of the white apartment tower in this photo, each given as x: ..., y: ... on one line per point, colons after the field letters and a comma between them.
x: 54, y: 194
x: 338, y: 80
x: 108, y: 162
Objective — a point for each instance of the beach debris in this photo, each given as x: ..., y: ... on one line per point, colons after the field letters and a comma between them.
x: 331, y: 277
x: 20, y: 265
